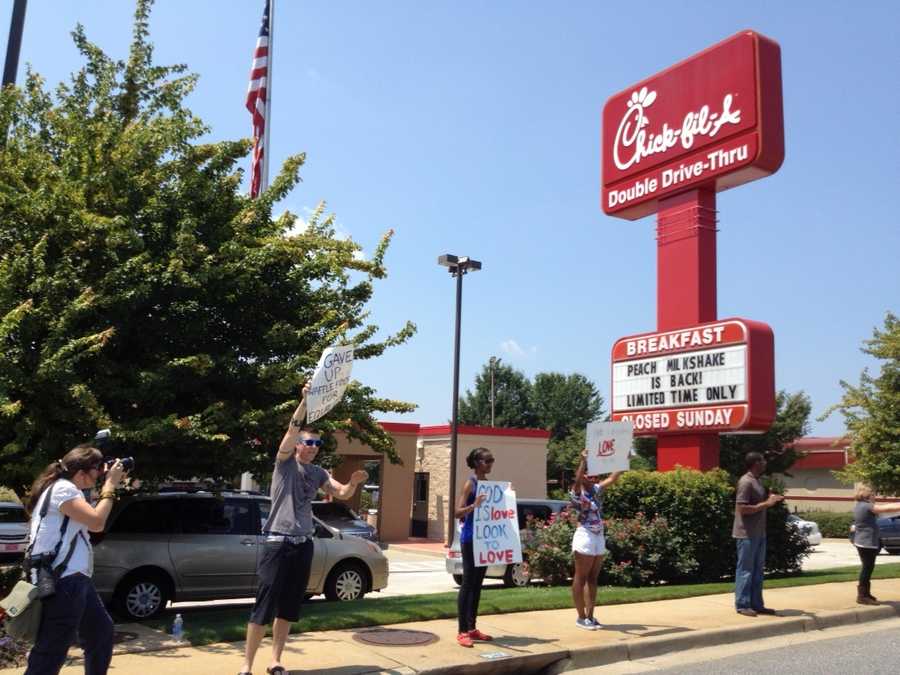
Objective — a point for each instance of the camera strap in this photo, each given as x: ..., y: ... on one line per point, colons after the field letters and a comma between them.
x: 45, y: 506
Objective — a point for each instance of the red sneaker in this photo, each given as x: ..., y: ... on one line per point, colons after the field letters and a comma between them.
x: 463, y: 640
x: 476, y: 634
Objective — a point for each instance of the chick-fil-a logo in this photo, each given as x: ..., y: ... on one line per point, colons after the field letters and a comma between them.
x: 633, y: 143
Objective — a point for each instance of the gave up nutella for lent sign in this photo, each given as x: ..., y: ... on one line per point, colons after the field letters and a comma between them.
x: 495, y: 525
x: 608, y: 447
x: 329, y: 381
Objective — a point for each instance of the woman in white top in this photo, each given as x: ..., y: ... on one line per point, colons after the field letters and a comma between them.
x: 61, y: 543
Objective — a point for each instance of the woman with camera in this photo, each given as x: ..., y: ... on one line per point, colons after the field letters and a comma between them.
x: 867, y: 538
x: 60, y: 560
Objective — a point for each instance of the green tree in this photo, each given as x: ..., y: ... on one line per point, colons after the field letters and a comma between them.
x: 512, y: 399
x: 791, y: 422
x: 140, y: 289
x: 565, y: 403
x: 871, y: 412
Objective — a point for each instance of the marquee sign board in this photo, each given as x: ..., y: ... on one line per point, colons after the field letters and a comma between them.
x: 713, y: 377
x: 714, y: 119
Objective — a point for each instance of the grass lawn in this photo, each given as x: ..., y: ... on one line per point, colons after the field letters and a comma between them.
x: 205, y: 626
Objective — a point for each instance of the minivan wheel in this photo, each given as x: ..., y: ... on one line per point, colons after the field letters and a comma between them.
x: 141, y: 596
x: 347, y: 581
x: 517, y: 575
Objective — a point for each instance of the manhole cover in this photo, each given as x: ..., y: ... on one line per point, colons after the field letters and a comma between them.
x: 394, y: 637
x: 120, y: 636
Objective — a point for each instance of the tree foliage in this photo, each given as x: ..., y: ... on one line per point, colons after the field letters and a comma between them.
x: 140, y: 289
x: 512, y: 399
x: 871, y: 412
x: 792, y: 413
x: 564, y: 404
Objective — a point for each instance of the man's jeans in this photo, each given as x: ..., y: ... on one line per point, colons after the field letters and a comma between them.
x: 748, y: 576
x: 73, y: 609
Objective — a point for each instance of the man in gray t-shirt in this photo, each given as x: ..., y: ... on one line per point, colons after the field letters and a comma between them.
x: 749, y: 532
x: 287, y: 551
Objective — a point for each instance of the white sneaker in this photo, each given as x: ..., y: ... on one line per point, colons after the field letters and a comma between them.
x: 586, y: 624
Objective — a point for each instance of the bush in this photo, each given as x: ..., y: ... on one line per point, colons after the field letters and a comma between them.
x: 644, y: 551
x: 547, y: 546
x: 699, y: 509
x: 831, y: 524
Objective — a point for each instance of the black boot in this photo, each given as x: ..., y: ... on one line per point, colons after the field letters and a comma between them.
x: 867, y: 587
x: 861, y: 596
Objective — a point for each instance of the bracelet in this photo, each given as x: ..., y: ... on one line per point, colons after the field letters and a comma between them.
x: 107, y: 495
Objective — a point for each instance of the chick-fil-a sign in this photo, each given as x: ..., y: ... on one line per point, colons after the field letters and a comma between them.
x: 713, y: 119
x: 495, y: 525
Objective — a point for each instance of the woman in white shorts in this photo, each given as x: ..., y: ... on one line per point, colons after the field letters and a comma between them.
x: 589, y: 543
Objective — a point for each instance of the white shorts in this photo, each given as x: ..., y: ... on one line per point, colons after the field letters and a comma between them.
x: 589, y: 543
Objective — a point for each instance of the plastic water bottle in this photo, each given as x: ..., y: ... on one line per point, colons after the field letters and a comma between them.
x: 178, y: 628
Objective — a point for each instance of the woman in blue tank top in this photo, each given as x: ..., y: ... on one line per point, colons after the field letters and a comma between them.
x: 481, y: 461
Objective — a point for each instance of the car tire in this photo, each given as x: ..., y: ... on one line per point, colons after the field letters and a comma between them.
x: 517, y: 575
x: 142, y: 595
x: 458, y: 579
x: 347, y: 581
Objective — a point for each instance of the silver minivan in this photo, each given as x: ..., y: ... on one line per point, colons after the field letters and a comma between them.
x: 516, y: 574
x: 204, y: 546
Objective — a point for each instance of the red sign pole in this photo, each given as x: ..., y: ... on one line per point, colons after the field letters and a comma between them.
x: 685, y: 296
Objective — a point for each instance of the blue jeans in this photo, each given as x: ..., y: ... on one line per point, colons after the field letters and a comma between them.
x: 75, y: 609
x: 748, y: 576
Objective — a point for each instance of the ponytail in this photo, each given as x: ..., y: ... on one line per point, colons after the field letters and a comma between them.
x: 80, y: 458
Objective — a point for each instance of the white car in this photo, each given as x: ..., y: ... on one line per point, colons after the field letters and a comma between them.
x: 808, y: 528
x: 14, y: 532
x: 516, y: 574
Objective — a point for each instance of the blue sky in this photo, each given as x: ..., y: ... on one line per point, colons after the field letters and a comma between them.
x: 473, y: 128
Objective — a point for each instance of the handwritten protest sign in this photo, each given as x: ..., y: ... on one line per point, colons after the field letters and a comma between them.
x: 329, y: 381
x: 495, y: 525
x: 608, y: 447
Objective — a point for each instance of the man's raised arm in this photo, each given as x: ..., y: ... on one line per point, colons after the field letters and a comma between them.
x: 292, y: 435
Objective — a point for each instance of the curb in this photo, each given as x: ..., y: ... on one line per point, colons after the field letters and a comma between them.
x: 555, y: 662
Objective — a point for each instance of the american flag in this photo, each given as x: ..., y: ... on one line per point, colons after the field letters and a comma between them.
x: 256, y: 102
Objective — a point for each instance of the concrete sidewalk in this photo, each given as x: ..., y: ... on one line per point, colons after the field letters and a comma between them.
x: 528, y: 641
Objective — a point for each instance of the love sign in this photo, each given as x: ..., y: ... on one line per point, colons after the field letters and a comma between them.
x: 495, y: 525
x: 608, y: 447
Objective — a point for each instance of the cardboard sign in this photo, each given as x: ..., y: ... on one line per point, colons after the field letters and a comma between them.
x: 329, y: 381
x: 608, y: 447
x: 495, y: 525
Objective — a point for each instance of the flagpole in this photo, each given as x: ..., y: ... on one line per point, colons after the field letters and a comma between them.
x: 270, y: 62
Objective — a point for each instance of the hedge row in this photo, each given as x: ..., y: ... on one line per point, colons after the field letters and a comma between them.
x: 831, y: 523
x: 666, y: 527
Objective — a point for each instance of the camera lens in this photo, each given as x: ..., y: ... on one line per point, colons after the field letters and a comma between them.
x: 128, y: 463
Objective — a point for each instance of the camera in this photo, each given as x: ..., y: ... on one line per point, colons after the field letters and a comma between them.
x: 127, y: 463
x: 101, y: 440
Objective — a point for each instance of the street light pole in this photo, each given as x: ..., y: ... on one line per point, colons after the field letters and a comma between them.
x: 457, y: 266
x: 14, y: 46
x: 492, y: 362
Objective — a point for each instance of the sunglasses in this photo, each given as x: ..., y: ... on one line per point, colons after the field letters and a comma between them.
x: 310, y: 443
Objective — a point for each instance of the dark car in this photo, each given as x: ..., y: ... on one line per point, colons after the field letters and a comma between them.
x: 342, y: 518
x: 890, y: 533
